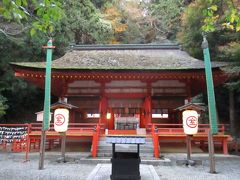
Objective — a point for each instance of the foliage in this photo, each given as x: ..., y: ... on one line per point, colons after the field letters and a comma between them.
x: 16, y: 94
x: 223, y: 43
x: 221, y: 14
x: 40, y: 15
x: 118, y: 22
x: 190, y: 32
x: 19, y: 96
x: 166, y: 16
x: 3, y: 105
x: 86, y: 22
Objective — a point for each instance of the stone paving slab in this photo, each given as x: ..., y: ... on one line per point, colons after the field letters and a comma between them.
x: 103, y: 172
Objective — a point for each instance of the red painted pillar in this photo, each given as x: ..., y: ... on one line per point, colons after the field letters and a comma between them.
x: 225, y: 146
x: 103, y: 111
x: 111, y: 120
x: 148, y: 109
x: 142, y: 119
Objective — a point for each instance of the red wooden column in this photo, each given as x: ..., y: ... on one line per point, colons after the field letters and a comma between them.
x: 142, y: 118
x: 148, y: 109
x: 148, y: 105
x: 111, y: 120
x: 103, y: 110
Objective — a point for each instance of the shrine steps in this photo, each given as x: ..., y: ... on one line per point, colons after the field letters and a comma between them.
x: 105, y: 149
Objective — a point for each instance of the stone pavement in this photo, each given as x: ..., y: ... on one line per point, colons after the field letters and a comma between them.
x: 13, y: 167
x: 103, y: 172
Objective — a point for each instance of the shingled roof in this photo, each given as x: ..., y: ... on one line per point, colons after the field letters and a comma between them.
x: 129, y: 57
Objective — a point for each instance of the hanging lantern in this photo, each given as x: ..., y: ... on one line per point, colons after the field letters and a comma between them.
x: 190, y: 122
x: 61, y: 118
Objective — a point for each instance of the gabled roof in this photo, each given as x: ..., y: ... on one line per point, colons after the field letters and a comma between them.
x: 192, y: 106
x: 62, y: 105
x: 124, y: 57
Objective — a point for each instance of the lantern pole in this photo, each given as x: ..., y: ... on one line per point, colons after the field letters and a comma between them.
x: 47, y: 99
x: 188, y: 141
x: 211, y: 103
x: 63, y: 146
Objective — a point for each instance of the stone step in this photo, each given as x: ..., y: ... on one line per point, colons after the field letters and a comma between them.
x: 103, y: 138
x: 106, y: 154
x: 124, y: 150
x: 124, y: 147
x: 104, y: 142
x: 147, y: 160
x: 105, y: 149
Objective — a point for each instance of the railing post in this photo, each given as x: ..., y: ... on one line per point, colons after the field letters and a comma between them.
x: 95, y: 140
x: 28, y: 143
x: 153, y: 128
x: 155, y: 142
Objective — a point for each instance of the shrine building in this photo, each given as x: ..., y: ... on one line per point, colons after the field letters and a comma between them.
x: 142, y: 83
x: 124, y: 87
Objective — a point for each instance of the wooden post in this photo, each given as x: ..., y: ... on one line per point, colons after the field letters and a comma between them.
x: 188, y: 142
x: 148, y: 110
x: 42, y: 150
x: 95, y: 141
x: 210, y: 87
x: 47, y: 99
x: 155, y: 142
x: 111, y: 120
x: 63, y: 146
x: 211, y: 152
x: 103, y: 110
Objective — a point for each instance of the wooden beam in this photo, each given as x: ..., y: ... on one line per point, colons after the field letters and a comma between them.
x: 126, y: 95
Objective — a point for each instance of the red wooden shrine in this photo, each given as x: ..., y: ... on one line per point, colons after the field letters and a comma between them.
x: 124, y: 87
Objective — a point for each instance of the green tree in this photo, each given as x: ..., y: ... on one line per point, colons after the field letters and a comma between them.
x: 86, y: 23
x: 37, y: 15
x: 3, y: 106
x: 221, y: 14
x: 224, y: 44
x: 21, y: 98
x: 166, y: 16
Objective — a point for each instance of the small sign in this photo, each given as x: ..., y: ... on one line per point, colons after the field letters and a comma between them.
x: 190, y: 122
x: 61, y: 118
x: 40, y: 116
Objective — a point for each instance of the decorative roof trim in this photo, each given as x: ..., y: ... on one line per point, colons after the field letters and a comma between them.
x: 124, y: 46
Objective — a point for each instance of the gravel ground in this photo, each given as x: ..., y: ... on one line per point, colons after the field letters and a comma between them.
x: 13, y: 167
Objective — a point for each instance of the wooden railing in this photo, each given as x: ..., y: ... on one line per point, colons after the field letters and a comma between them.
x: 93, y: 129
x: 24, y: 144
x: 81, y: 127
x: 18, y: 144
x: 177, y: 129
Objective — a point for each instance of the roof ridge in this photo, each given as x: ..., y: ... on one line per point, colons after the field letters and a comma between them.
x: 124, y: 46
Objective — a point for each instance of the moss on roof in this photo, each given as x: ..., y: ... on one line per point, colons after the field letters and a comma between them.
x: 129, y: 59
